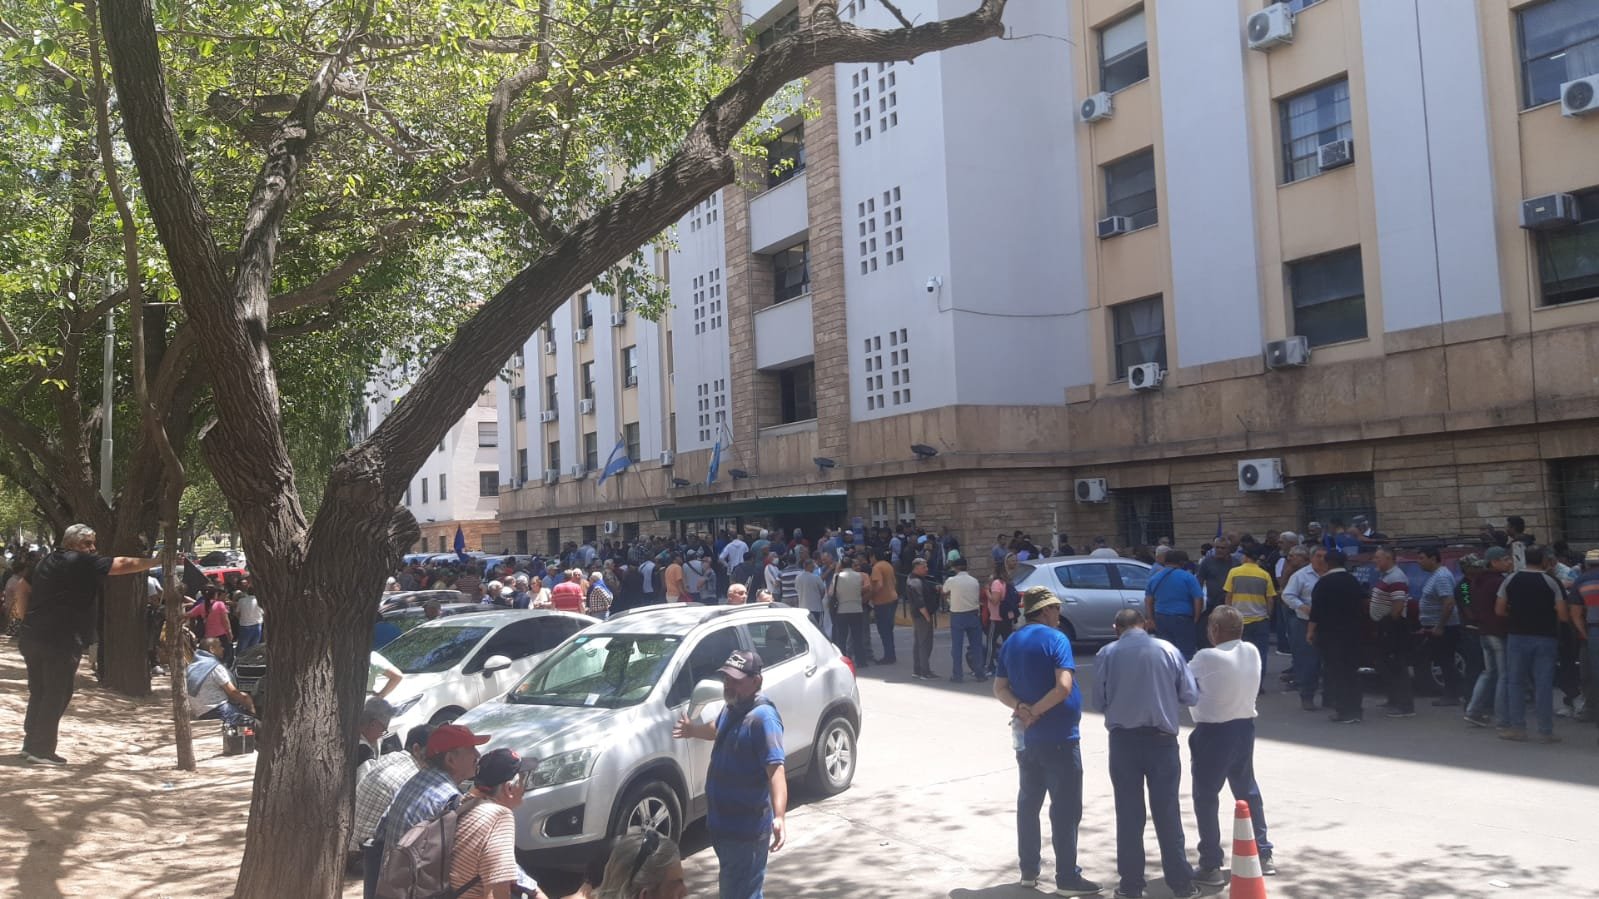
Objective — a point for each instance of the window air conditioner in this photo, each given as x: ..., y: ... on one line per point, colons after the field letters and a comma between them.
x: 667, y: 459
x: 578, y: 471
x: 1294, y: 351
x: 1095, y: 108
x: 1092, y: 490
x: 609, y: 527
x: 547, y: 416
x: 551, y: 475
x: 1113, y: 225
x: 1255, y: 475
x: 585, y: 407
x: 1270, y: 27
x: 1146, y: 376
x: 1550, y: 212
x: 581, y: 335
x: 1334, y: 155
x: 618, y: 319
x: 549, y: 347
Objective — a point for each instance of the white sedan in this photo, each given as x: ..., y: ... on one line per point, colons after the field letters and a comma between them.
x: 453, y: 663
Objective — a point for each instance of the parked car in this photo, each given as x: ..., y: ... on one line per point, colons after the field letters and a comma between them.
x: 417, y: 598
x: 1091, y: 591
x: 453, y: 663
x: 594, y: 719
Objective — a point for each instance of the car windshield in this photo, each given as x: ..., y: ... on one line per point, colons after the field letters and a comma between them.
x: 430, y: 649
x: 608, y: 670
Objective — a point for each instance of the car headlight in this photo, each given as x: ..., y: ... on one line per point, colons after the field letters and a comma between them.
x: 407, y: 705
x: 566, y: 767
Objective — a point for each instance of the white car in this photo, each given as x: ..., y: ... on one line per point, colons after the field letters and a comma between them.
x: 593, y: 720
x: 453, y: 663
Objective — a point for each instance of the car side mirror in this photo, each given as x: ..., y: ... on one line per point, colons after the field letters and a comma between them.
x: 494, y: 664
x: 705, y: 692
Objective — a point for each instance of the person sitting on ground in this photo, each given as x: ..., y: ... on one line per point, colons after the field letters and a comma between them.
x: 644, y: 866
x: 376, y: 784
x: 375, y: 718
x: 212, y: 693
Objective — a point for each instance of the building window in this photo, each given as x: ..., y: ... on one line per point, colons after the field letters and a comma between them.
x: 585, y: 305
x: 877, y: 511
x: 521, y: 543
x: 785, y: 155
x: 552, y: 541
x: 1130, y: 189
x: 1140, y: 333
x: 441, y: 446
x: 630, y: 438
x: 711, y: 407
x: 791, y: 273
x: 1123, y: 53
x: 1568, y: 259
x: 1143, y: 515
x: 488, y: 433
x: 553, y: 454
x: 519, y: 402
x: 905, y: 509
x: 552, y: 397
x: 1329, y: 297
x: 785, y: 25
x: 1577, y: 492
x: 1308, y: 120
x: 630, y: 366
x: 1335, y: 501
x: 796, y: 389
x: 1559, y: 43
x: 887, y: 225
x: 707, y: 301
x: 591, y: 451
x: 885, y: 113
x: 488, y: 482
x: 521, y: 467
x: 588, y: 380
x: 424, y: 490
x: 443, y: 494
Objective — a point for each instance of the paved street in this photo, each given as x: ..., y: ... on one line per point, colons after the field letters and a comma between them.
x: 1425, y: 807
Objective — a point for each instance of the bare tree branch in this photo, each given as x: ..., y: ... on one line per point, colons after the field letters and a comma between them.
x: 894, y: 11
x: 324, y: 289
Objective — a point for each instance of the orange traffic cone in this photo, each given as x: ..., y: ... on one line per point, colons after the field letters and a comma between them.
x: 1247, y: 882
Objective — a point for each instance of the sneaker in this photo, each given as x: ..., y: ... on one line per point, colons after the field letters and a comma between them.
x: 1309, y: 705
x: 1193, y: 890
x: 1267, y: 866
x: 49, y: 759
x: 1479, y: 720
x: 1400, y: 713
x: 931, y: 676
x: 1078, y: 886
x: 1548, y: 738
x: 1129, y: 893
x: 1337, y: 720
x: 1027, y: 881
x: 1445, y: 703
x: 1513, y: 734
x: 1211, y: 877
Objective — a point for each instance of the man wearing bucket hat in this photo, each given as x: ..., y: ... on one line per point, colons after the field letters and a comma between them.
x: 1036, y: 679
x: 745, y: 790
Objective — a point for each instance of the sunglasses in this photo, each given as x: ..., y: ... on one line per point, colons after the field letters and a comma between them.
x: 652, y: 842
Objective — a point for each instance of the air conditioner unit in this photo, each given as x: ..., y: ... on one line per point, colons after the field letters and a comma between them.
x: 1270, y: 27
x: 1145, y: 376
x: 578, y: 471
x: 548, y: 415
x: 1334, y: 155
x: 549, y: 347
x: 1092, y: 490
x: 551, y: 475
x: 618, y: 319
x: 1288, y: 353
x: 1113, y: 225
x: 630, y: 381
x: 1579, y: 97
x: 581, y: 335
x: 667, y: 459
x: 609, y: 527
x: 1550, y: 212
x: 585, y: 407
x: 1095, y: 108
x: 1255, y: 475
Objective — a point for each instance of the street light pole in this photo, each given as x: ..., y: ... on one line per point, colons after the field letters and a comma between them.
x: 107, y: 378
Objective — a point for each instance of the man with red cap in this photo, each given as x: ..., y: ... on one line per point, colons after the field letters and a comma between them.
x: 452, y: 754
x: 745, y: 790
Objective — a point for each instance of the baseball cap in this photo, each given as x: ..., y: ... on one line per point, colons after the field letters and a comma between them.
x: 1591, y: 557
x: 1495, y: 553
x: 496, y: 767
x: 741, y: 664
x: 446, y: 737
x: 1036, y: 599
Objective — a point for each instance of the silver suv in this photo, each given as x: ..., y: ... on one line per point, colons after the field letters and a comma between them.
x: 593, y: 721
x: 1091, y: 590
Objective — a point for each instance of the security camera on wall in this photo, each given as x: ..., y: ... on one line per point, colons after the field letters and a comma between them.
x: 934, y: 283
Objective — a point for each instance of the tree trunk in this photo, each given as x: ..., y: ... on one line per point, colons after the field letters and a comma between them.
x: 122, y: 636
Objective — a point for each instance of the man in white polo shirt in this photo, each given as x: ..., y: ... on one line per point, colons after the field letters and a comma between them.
x: 1223, y: 740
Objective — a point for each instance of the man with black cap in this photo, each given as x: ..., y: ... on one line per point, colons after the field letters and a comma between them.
x: 452, y: 754
x: 1036, y: 680
x: 376, y: 784
x: 745, y: 790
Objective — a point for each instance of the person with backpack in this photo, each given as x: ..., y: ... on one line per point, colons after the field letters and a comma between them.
x: 483, y: 857
x: 413, y: 859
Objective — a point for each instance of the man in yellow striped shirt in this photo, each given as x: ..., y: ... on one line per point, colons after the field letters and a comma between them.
x: 1251, y: 591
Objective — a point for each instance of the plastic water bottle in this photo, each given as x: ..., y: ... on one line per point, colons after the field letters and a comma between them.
x: 1018, y: 734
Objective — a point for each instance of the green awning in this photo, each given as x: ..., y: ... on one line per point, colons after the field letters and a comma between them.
x: 750, y: 508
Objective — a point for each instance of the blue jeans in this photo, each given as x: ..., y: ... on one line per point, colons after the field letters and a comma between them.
x: 1225, y: 753
x: 1259, y: 633
x: 249, y: 635
x: 743, y: 866
x: 1056, y: 769
x: 1137, y: 756
x: 1531, y: 657
x: 1307, y: 661
x: 1178, y: 630
x: 969, y: 626
x: 884, y: 616
x: 1490, y: 689
x: 227, y: 713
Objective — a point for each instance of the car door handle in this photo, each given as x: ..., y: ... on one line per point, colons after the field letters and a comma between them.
x: 810, y: 671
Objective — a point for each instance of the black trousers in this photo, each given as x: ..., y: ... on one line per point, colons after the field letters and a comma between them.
x: 52, y: 673
x: 1340, y: 674
x: 1441, y: 652
x: 849, y: 635
x: 1394, y: 650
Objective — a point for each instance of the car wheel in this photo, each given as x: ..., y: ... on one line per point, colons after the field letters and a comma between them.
x: 651, y: 805
x: 833, y: 767
x: 446, y: 715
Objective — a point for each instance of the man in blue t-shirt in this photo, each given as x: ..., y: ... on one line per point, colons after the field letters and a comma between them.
x: 1035, y: 680
x: 745, y: 790
x: 1174, y: 600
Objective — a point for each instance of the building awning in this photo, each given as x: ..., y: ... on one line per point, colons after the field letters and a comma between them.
x: 807, y: 504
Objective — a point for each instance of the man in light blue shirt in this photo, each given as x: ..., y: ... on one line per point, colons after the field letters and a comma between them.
x: 1141, y: 684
